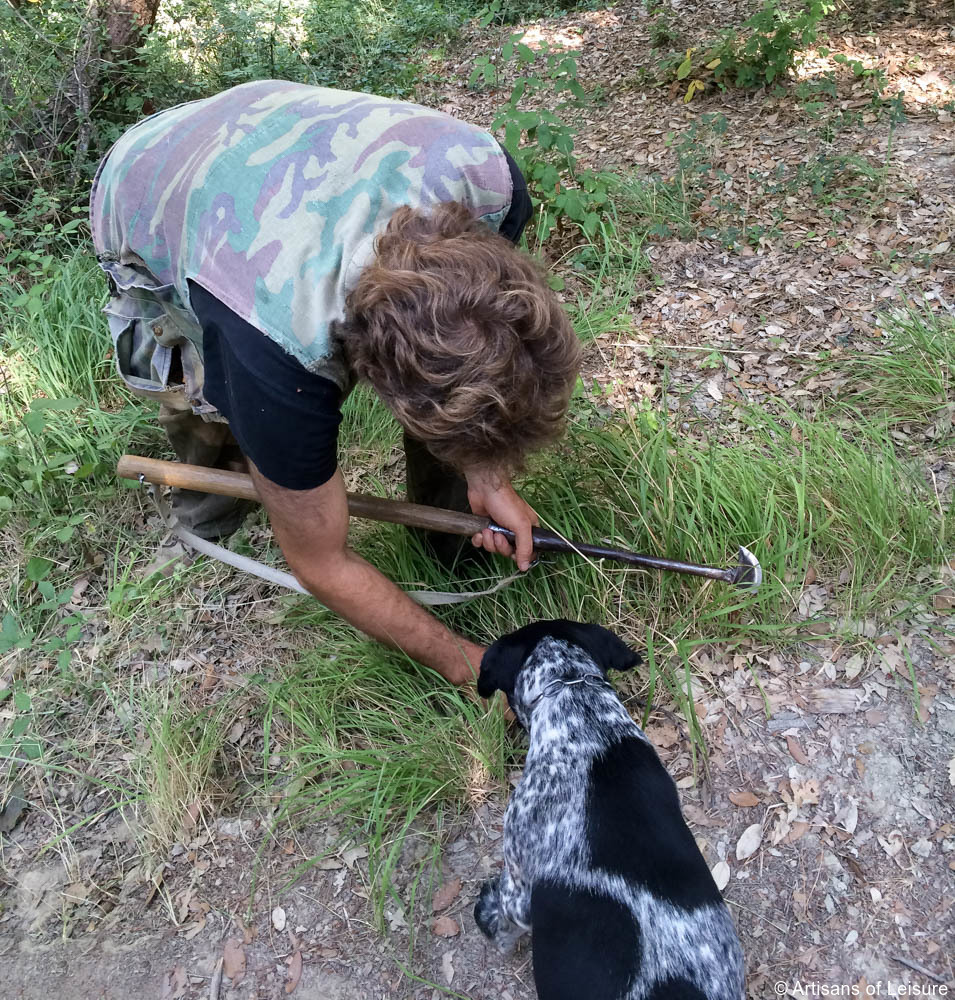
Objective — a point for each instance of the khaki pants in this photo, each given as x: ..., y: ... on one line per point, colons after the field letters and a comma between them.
x: 200, y: 442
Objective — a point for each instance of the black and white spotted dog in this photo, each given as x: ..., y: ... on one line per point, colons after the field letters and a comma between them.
x: 599, y: 863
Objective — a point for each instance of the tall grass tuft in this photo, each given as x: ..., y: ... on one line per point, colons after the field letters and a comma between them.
x: 909, y: 379
x: 65, y: 416
x: 374, y: 740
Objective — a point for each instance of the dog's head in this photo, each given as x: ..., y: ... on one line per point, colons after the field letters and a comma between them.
x: 506, y: 658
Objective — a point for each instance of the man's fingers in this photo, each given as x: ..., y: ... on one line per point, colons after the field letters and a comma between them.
x: 525, y: 547
x: 495, y: 542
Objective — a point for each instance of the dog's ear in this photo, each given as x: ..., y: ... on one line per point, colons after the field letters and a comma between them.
x: 607, y: 650
x: 501, y: 663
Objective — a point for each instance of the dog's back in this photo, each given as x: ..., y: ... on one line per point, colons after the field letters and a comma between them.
x: 621, y: 902
x: 644, y: 912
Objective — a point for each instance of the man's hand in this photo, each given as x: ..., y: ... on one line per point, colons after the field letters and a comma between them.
x: 491, y: 495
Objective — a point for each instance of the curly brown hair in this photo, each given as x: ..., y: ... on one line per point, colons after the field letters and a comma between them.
x: 459, y: 334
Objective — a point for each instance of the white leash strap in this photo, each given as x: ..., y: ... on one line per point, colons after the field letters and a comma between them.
x: 427, y: 598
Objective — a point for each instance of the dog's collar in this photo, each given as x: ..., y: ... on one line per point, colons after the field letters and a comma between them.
x: 565, y: 682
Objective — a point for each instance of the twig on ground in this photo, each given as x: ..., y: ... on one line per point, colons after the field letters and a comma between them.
x: 215, y: 984
x: 915, y: 967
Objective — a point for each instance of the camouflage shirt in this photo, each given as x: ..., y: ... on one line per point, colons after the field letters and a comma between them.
x: 270, y: 196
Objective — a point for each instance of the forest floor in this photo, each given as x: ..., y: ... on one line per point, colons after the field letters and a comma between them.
x: 826, y: 806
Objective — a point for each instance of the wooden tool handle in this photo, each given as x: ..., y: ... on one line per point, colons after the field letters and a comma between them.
x: 239, y: 484
x: 452, y: 522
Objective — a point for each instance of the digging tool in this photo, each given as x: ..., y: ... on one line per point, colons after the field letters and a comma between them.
x: 746, y: 574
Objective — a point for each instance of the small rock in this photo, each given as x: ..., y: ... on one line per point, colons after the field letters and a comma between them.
x: 923, y: 848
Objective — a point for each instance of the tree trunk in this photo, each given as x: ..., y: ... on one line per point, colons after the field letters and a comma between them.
x: 127, y: 24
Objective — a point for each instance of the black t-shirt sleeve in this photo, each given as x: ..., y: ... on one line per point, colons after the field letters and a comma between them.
x: 521, y: 210
x: 284, y: 417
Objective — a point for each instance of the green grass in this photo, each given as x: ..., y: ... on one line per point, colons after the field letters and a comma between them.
x: 908, y: 379
x: 65, y: 416
x: 371, y: 739
x: 614, y: 269
x: 181, y: 773
x: 660, y: 206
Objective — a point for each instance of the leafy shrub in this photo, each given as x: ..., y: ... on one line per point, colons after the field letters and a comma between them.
x: 542, y: 141
x: 775, y: 38
x: 763, y: 51
x: 515, y: 11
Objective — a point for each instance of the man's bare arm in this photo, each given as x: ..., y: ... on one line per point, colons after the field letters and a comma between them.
x: 312, y: 528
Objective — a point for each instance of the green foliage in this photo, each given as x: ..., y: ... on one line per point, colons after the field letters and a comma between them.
x: 64, y: 421
x: 775, y: 36
x: 38, y: 126
x: 369, y: 45
x: 763, y: 51
x: 67, y: 97
x: 19, y: 744
x: 376, y: 46
x: 515, y: 11
x: 907, y: 380
x: 371, y: 739
x: 542, y: 141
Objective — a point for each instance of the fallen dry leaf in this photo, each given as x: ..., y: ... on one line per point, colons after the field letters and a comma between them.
x: 749, y: 843
x: 796, y: 751
x: 745, y: 800
x: 893, y: 843
x: 191, y: 816
x: 194, y: 929
x: 354, y: 854
x: 248, y: 933
x: 445, y: 927
x: 76, y: 892
x: 804, y: 792
x: 447, y: 967
x: 721, y: 875
x: 176, y: 983
x: 294, y: 962
x: 396, y: 918
x: 943, y: 601
x: 798, y: 828
x: 446, y: 895
x: 233, y: 960
x: 663, y: 735
x: 854, y: 665
x: 848, y: 817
